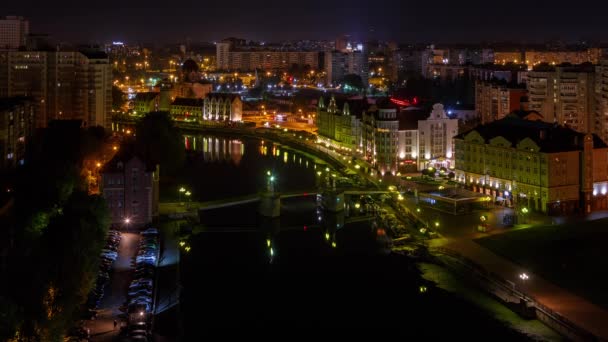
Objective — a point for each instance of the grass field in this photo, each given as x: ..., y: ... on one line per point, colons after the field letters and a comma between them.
x: 572, y: 256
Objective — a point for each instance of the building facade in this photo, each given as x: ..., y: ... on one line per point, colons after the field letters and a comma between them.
x: 233, y: 55
x: 564, y: 95
x: 339, y: 124
x: 13, y: 32
x: 17, y: 123
x: 601, y: 100
x: 533, y: 164
x: 341, y: 63
x: 494, y: 99
x: 65, y: 85
x: 435, y: 142
x: 380, y: 138
x: 223, y: 106
x: 187, y: 110
x: 130, y: 188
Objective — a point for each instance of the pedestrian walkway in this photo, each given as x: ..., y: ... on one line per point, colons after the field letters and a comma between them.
x: 102, y: 328
x: 574, y: 308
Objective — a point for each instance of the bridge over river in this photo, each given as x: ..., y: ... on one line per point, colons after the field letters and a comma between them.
x: 183, y: 209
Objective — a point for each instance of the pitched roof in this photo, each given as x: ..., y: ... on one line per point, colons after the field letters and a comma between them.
x: 147, y: 96
x: 356, y: 106
x: 124, y: 155
x: 222, y: 96
x: 408, y: 118
x: 549, y: 137
x: 189, y: 102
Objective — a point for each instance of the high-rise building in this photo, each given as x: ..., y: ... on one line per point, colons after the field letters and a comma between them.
x: 16, y: 128
x: 564, y: 94
x: 601, y: 100
x: 13, y: 32
x: 339, y: 64
x: 234, y: 55
x: 495, y: 99
x: 64, y: 84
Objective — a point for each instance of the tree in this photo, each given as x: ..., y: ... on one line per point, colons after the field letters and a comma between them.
x: 160, y: 142
x: 353, y: 81
x: 451, y: 175
x: 118, y: 98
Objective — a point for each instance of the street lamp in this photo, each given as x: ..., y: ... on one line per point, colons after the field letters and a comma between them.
x: 181, y: 191
x: 524, y: 276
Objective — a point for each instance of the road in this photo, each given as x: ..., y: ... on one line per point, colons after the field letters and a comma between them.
x: 102, y: 329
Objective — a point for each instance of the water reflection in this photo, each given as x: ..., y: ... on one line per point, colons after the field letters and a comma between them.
x: 216, y: 148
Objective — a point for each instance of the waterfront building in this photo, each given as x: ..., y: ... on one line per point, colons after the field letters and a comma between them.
x: 146, y: 102
x: 339, y: 122
x: 223, y: 106
x: 533, y: 164
x: 17, y: 123
x: 130, y: 188
x: 435, y: 142
x: 380, y: 136
x: 187, y: 109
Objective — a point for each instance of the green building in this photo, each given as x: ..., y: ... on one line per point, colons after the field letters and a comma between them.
x: 534, y: 165
x: 339, y: 123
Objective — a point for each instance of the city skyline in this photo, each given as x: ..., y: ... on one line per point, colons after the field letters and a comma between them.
x: 439, y: 21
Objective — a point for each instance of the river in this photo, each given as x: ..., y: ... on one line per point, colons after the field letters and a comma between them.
x: 305, y: 271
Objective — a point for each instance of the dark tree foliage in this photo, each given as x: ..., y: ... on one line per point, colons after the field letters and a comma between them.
x: 160, y: 142
x: 354, y: 81
x: 118, y: 98
x: 55, y: 231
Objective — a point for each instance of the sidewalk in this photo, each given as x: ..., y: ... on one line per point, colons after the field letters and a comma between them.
x: 102, y: 328
x: 576, y: 309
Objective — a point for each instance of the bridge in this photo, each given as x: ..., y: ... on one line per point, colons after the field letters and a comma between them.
x: 182, y: 209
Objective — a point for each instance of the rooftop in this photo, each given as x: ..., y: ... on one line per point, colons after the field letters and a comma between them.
x: 549, y: 137
x: 189, y: 102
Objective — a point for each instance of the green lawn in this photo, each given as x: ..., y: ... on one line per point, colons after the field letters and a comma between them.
x: 572, y: 256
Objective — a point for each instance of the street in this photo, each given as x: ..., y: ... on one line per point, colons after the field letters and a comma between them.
x: 102, y: 328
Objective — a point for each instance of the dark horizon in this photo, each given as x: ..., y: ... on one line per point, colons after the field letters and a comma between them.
x: 440, y: 21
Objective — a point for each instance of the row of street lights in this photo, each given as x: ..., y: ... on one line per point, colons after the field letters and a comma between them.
x: 186, y: 193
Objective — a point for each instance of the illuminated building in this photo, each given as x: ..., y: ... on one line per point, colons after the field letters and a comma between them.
x: 130, y: 188
x: 17, y: 122
x: 494, y: 99
x: 235, y: 55
x: 564, y: 94
x: 435, y: 142
x: 223, y: 106
x: 339, y: 123
x: 341, y: 63
x: 381, y: 136
x: 187, y: 109
x: 13, y: 32
x: 533, y: 164
x: 146, y: 102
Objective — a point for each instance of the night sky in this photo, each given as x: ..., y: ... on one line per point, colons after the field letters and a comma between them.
x: 271, y: 20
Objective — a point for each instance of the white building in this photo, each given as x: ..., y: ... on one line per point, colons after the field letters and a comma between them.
x: 436, y: 139
x: 13, y: 32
